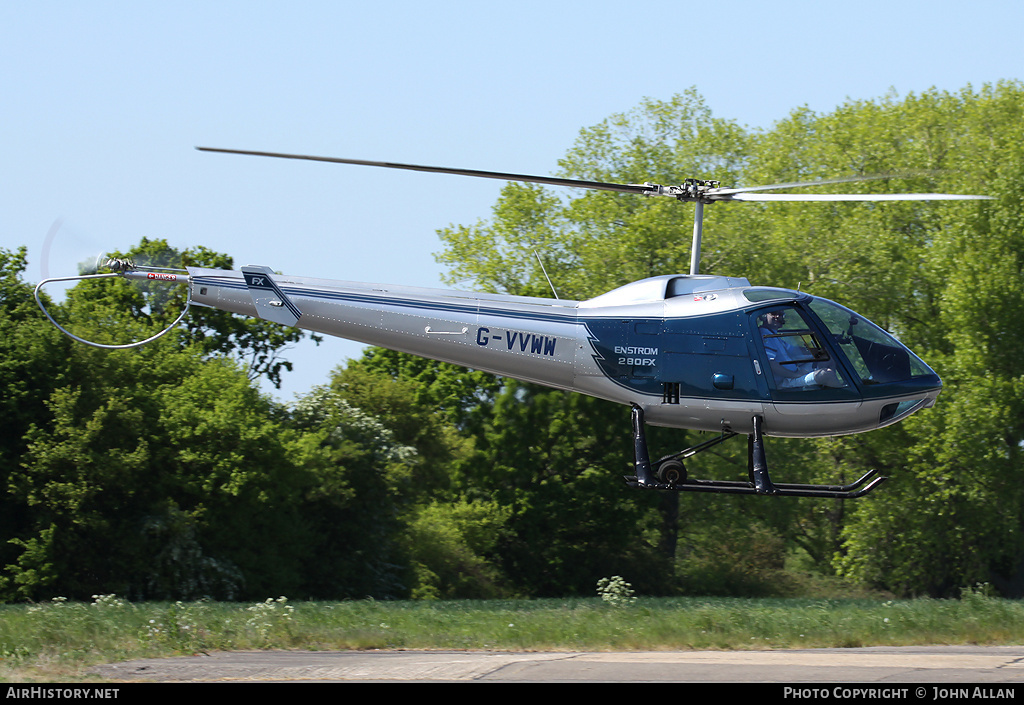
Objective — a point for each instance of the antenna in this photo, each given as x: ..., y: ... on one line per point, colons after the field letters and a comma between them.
x: 541, y: 263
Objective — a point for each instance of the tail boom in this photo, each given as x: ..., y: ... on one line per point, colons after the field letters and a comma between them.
x: 522, y: 337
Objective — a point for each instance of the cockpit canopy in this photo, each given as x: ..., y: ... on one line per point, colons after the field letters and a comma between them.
x: 794, y: 347
x: 876, y: 356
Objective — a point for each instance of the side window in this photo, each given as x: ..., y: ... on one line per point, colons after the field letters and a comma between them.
x: 796, y: 357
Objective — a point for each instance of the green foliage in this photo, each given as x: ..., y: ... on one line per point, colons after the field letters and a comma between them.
x: 743, y: 560
x: 954, y: 516
x: 359, y: 487
x: 595, y: 241
x: 556, y: 460
x: 615, y: 591
x: 450, y: 547
x: 181, y: 456
x: 157, y: 472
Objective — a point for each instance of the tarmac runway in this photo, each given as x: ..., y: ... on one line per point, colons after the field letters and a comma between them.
x: 875, y: 665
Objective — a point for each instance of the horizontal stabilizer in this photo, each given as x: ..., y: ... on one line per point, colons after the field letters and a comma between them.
x: 271, y: 303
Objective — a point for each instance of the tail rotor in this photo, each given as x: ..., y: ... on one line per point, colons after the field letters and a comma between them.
x: 106, y: 266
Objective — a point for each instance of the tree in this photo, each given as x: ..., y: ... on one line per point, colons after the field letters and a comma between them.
x: 446, y: 526
x: 33, y: 356
x: 933, y: 528
x: 451, y: 546
x: 595, y: 241
x: 160, y: 476
x: 554, y: 460
x: 163, y: 471
x: 34, y: 361
x: 154, y: 472
x: 955, y: 519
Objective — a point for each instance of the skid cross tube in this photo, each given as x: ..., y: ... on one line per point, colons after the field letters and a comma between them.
x: 760, y: 482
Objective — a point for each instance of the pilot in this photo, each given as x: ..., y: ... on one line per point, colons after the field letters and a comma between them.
x: 780, y: 349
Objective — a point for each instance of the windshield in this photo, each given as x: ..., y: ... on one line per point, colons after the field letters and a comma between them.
x: 877, y: 357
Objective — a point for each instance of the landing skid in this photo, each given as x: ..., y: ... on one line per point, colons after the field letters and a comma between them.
x: 669, y: 473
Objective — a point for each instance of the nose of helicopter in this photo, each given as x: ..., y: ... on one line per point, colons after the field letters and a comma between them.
x: 831, y: 371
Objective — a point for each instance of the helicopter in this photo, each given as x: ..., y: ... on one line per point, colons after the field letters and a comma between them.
x: 702, y: 352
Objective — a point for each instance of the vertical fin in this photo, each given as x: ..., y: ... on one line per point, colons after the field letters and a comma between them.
x: 271, y: 303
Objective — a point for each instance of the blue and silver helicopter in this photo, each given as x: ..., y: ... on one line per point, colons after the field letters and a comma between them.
x: 692, y: 351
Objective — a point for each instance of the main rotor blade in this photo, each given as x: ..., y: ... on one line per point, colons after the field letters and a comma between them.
x: 852, y: 197
x: 750, y: 193
x: 549, y: 180
x: 693, y: 190
x: 800, y: 184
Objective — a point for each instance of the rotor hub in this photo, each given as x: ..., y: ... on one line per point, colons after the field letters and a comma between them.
x: 689, y: 190
x: 118, y: 264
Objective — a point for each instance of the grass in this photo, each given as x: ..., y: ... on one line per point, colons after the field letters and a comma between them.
x: 60, y: 640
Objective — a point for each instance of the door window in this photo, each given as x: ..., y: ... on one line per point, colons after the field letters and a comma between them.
x: 796, y: 357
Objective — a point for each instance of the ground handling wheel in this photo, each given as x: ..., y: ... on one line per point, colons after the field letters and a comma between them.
x: 671, y: 472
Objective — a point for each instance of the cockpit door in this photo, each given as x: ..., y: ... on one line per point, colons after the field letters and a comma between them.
x: 797, y: 358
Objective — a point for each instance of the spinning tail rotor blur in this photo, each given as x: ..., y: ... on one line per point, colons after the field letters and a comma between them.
x: 63, y: 249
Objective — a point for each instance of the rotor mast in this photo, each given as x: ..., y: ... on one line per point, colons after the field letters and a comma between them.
x: 698, y: 229
x: 696, y: 190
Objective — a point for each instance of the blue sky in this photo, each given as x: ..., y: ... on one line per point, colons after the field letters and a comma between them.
x: 104, y: 102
